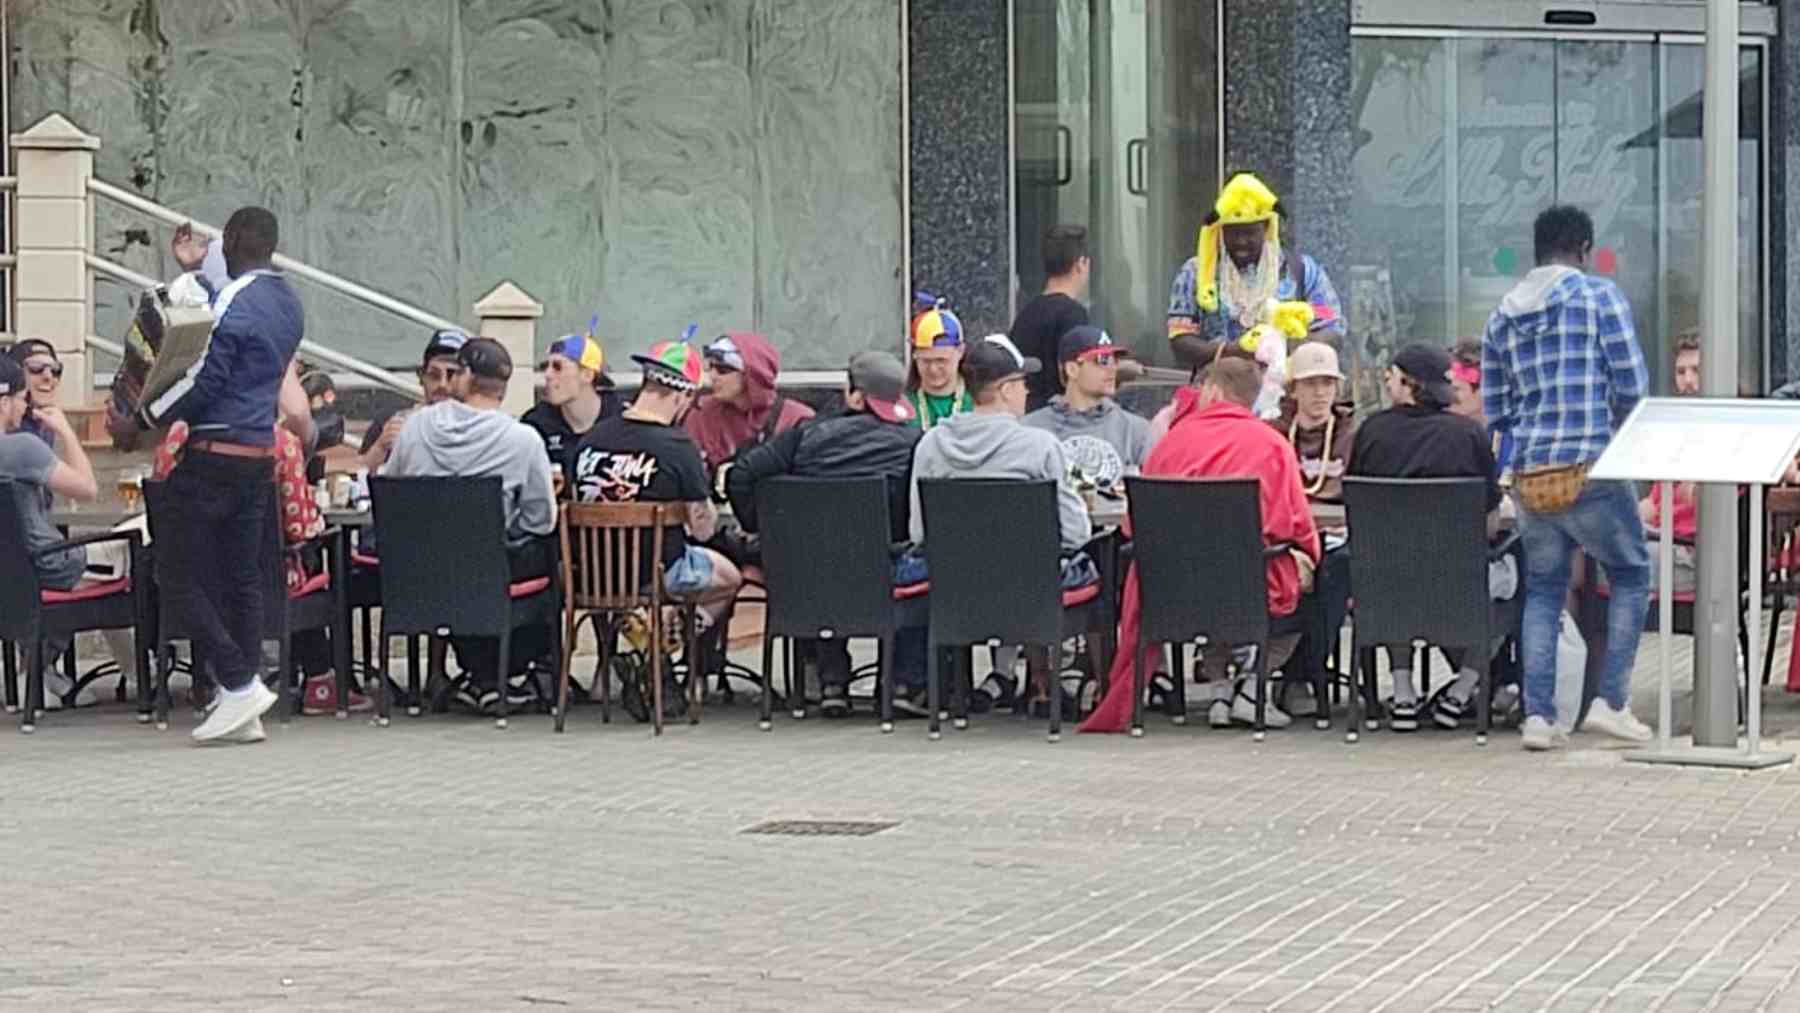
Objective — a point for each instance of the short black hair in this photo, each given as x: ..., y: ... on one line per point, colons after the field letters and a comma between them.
x: 256, y: 232
x: 1562, y: 230
x: 1063, y: 246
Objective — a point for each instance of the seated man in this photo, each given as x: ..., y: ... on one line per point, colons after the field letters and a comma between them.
x: 872, y: 437
x: 470, y: 436
x: 743, y: 408
x: 1100, y: 439
x: 1214, y: 434
x: 645, y: 456
x: 575, y: 397
x: 1420, y: 437
x: 438, y: 372
x: 37, y: 473
x: 990, y: 442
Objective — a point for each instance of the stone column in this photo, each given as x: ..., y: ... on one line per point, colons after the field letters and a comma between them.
x: 509, y: 315
x: 54, y: 289
x: 1783, y: 212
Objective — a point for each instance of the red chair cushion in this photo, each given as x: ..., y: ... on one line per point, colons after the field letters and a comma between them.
x: 313, y: 585
x: 1080, y: 595
x: 919, y: 590
x: 1680, y: 598
x: 527, y: 588
x: 364, y: 559
x: 86, y: 591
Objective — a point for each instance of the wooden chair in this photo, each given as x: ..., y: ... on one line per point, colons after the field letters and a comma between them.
x: 612, y: 565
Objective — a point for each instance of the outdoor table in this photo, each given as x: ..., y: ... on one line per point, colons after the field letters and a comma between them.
x: 99, y: 518
x: 347, y: 518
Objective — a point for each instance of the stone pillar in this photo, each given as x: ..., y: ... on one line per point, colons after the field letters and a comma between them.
x: 1287, y: 116
x: 1783, y: 212
x: 509, y: 315
x: 54, y: 289
x: 957, y: 134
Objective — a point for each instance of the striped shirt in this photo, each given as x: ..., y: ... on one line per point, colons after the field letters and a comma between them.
x: 1561, y: 367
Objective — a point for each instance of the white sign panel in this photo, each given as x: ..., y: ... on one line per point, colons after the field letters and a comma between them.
x: 1692, y: 439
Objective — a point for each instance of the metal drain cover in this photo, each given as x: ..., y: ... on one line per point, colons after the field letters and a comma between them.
x: 822, y: 828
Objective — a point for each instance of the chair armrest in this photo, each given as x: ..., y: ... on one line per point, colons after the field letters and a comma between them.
x: 131, y: 537
x: 1279, y: 548
x: 1505, y: 546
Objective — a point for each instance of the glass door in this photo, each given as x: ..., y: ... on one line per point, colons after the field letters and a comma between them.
x: 1116, y: 128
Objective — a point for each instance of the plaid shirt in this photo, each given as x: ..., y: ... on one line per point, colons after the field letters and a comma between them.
x: 1561, y: 367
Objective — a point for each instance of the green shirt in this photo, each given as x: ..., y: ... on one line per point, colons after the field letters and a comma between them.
x: 930, y: 409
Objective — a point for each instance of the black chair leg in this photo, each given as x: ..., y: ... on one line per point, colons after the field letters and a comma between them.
x: 413, y: 693
x: 933, y: 689
x: 503, y: 678
x: 10, y: 658
x: 1056, y: 692
x: 696, y: 686
x: 1358, y: 658
x: 1483, y: 690
x: 34, y: 688
x: 658, y: 659
x: 766, y: 709
x: 383, y: 696
x: 1181, y: 670
x: 1262, y: 689
x: 604, y: 632
x: 286, y: 702
x: 1137, y: 686
x: 886, y: 679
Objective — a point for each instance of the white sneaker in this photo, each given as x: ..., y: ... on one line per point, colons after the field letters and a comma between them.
x: 1218, y: 715
x: 1243, y: 711
x: 1620, y: 724
x: 1538, y: 735
x: 233, y: 713
x: 252, y: 732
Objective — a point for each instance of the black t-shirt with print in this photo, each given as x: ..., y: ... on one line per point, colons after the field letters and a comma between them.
x: 625, y: 460
x: 1038, y: 331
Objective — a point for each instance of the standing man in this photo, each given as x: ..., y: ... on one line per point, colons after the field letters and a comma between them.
x: 1561, y: 368
x: 1217, y: 298
x: 1040, y: 326
x: 575, y: 397
x: 220, y: 494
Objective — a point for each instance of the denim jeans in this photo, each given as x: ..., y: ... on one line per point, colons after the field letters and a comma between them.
x: 1604, y: 523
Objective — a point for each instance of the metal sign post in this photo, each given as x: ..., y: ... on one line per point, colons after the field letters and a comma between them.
x: 1720, y: 443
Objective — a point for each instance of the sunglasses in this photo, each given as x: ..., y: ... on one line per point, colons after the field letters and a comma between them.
x: 1101, y: 359
x: 53, y: 368
x: 721, y: 367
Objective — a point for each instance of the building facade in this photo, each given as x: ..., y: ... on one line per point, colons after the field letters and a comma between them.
x: 801, y: 167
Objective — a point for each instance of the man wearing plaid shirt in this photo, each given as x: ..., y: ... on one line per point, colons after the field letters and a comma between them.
x: 1560, y: 370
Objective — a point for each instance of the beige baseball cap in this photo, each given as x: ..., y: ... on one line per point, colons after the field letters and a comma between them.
x: 1313, y: 358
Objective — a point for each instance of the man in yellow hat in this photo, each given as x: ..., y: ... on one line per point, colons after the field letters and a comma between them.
x: 1217, y: 298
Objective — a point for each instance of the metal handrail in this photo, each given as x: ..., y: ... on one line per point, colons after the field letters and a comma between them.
x: 310, y: 349
x: 325, y: 279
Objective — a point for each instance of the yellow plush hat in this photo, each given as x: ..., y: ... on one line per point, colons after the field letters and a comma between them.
x: 1245, y: 200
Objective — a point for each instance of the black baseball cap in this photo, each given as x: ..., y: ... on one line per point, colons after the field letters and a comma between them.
x: 485, y: 357
x: 1427, y: 365
x: 445, y: 342
x: 12, y: 376
x: 995, y: 358
x: 1082, y: 342
x: 25, y: 348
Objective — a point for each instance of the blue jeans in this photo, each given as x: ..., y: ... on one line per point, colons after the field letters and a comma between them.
x: 1604, y: 523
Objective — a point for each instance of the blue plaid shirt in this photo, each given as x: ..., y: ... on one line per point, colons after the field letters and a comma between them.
x: 1561, y: 367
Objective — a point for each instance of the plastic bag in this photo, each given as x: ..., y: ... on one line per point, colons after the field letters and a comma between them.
x: 1571, y: 672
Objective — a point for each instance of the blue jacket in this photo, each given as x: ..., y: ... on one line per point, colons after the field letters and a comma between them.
x: 230, y: 393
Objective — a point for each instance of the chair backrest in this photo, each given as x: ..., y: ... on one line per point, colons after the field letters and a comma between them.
x: 18, y: 578
x: 1418, y: 559
x: 1197, y: 544
x: 443, y: 555
x: 825, y: 555
x: 610, y: 552
x: 992, y: 548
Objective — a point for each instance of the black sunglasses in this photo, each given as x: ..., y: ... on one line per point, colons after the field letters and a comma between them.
x: 53, y: 368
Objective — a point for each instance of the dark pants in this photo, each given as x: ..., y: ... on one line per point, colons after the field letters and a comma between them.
x: 908, y: 664
x: 213, y: 548
x: 480, y: 656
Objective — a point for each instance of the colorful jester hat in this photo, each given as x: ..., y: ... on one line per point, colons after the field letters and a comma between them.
x: 674, y: 363
x: 935, y: 326
x: 1245, y: 200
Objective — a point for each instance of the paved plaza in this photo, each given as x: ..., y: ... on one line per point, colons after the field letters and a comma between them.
x: 443, y: 865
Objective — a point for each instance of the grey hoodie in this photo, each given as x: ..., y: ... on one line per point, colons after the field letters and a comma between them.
x: 1106, y: 442
x: 451, y: 439
x: 982, y: 445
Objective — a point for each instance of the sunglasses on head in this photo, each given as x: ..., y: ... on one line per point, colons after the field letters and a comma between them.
x: 40, y: 368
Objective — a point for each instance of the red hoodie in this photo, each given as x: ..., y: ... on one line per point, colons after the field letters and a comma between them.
x: 1217, y: 441
x: 721, y: 427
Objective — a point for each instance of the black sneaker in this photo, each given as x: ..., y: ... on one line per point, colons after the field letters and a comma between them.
x: 912, y: 705
x: 631, y: 688
x: 1162, y: 694
x: 1402, y: 717
x: 834, y: 702
x: 996, y: 691
x: 1447, y: 711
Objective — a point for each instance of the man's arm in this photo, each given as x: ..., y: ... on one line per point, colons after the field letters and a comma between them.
x: 702, y: 520
x: 1071, y: 510
x: 294, y: 409
x: 1184, y: 316
x: 1318, y: 290
x: 1498, y: 399
x: 72, y: 475
x: 537, y: 496
x: 1627, y: 377
x: 756, y: 464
